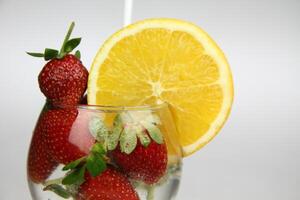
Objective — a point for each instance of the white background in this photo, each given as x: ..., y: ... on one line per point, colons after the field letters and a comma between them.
x: 257, y: 153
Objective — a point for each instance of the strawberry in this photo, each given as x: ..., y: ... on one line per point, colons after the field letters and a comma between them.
x: 147, y: 164
x: 110, y: 185
x: 62, y: 135
x: 40, y: 164
x: 63, y: 80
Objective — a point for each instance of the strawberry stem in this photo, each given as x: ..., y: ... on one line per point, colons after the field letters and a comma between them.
x: 67, y: 37
x: 150, y: 192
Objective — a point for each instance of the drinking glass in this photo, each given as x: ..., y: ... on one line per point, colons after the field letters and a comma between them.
x: 80, y: 136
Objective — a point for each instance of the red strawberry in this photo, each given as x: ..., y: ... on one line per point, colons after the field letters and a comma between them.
x: 63, y: 81
x: 65, y: 140
x: 147, y: 164
x: 110, y: 185
x: 40, y: 165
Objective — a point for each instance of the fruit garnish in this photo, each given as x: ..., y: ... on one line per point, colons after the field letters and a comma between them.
x: 40, y: 163
x: 166, y: 60
x: 111, y: 184
x: 60, y: 133
x: 135, y: 143
x: 63, y: 80
x: 93, y: 164
x: 147, y: 164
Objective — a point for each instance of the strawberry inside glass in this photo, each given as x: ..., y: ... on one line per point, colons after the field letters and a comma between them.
x: 85, y: 152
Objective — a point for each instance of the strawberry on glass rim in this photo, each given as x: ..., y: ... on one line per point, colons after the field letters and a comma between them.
x: 63, y: 80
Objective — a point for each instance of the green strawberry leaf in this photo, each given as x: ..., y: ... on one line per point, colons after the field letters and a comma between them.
x: 95, y: 164
x: 59, y: 190
x: 78, y: 54
x: 143, y: 137
x: 74, y: 164
x: 75, y: 177
x: 98, y: 148
x: 41, y: 55
x: 113, y: 137
x: 128, y: 140
x: 71, y: 44
x: 154, y: 132
x: 50, y: 54
x: 72, y: 189
x: 98, y: 129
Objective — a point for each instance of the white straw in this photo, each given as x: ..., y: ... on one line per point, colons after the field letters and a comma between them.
x: 128, y: 12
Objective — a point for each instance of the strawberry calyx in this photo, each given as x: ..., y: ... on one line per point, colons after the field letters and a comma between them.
x: 94, y: 163
x: 127, y: 130
x: 67, y: 47
x: 59, y: 190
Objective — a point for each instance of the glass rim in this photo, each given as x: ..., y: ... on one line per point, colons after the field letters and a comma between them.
x: 118, y: 108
